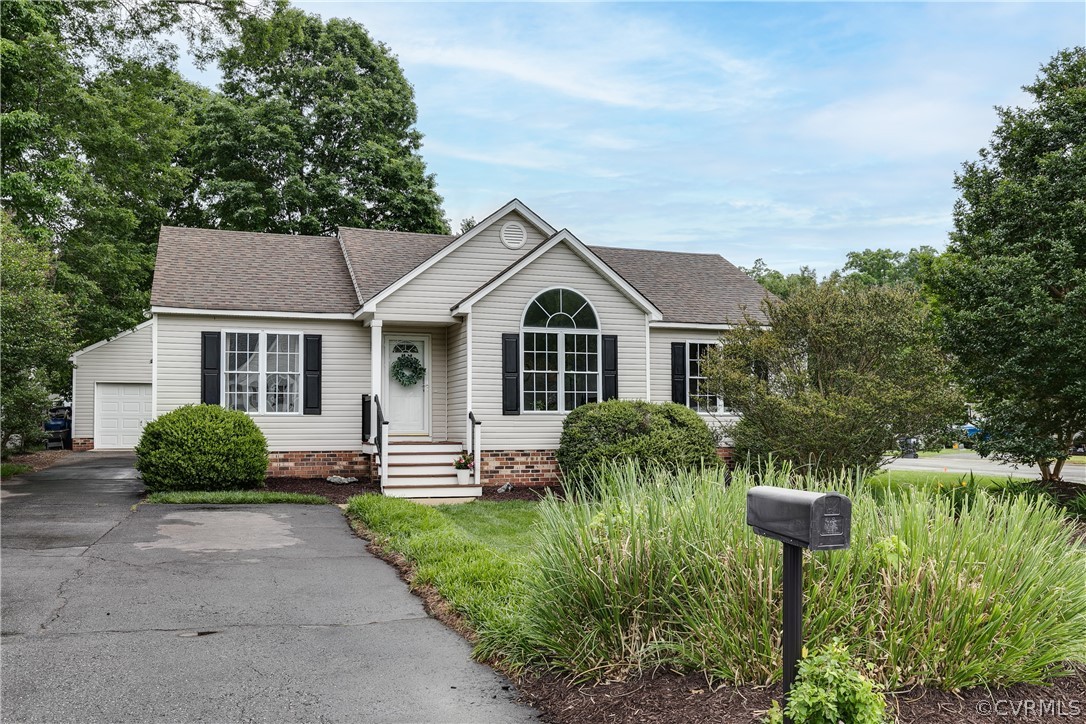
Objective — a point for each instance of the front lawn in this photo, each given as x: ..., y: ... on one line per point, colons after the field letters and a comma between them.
x: 233, y: 497
x: 978, y: 590
x: 505, y: 527
x: 9, y: 469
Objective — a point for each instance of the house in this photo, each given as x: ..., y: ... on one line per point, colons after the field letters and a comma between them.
x: 380, y: 353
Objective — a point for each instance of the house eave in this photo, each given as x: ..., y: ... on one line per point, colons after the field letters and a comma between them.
x: 252, y: 313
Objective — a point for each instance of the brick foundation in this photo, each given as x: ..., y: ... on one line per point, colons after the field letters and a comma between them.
x: 520, y: 467
x: 726, y: 457
x: 82, y: 444
x: 320, y: 464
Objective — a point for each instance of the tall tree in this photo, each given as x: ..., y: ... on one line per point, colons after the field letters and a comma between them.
x: 781, y: 284
x: 35, y: 333
x: 835, y: 378
x: 89, y: 156
x: 315, y: 129
x: 1012, y: 285
x: 885, y: 267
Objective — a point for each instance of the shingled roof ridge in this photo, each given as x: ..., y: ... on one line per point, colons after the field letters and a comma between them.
x: 657, y: 251
x: 403, y: 233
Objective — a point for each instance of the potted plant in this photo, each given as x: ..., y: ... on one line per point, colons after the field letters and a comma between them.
x: 465, y: 466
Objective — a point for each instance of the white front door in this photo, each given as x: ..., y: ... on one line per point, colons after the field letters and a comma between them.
x: 408, y: 406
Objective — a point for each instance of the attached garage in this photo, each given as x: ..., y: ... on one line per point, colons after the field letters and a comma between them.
x: 112, y: 395
x: 121, y: 410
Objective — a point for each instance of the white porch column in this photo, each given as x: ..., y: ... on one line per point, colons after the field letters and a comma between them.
x: 376, y: 349
x: 469, y: 438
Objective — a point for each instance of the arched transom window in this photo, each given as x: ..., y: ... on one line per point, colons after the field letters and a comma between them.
x: 561, y: 352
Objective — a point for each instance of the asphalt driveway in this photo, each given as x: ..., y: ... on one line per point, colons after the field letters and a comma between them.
x: 213, y: 614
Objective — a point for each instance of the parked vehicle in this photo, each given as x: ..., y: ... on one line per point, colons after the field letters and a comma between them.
x: 58, y: 428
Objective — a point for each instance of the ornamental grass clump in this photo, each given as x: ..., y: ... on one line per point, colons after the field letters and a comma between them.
x: 661, y: 570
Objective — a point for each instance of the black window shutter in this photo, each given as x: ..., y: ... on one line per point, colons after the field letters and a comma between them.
x: 510, y: 374
x: 311, y: 390
x: 210, y: 356
x: 678, y: 372
x: 610, y: 367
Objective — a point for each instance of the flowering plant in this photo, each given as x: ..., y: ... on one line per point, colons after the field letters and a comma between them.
x: 466, y: 461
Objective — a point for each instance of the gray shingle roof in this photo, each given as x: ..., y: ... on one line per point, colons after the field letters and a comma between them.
x: 686, y: 287
x: 240, y: 270
x: 378, y: 258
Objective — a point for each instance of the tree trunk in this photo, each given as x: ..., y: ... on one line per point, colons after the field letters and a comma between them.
x: 1046, y: 471
x: 1057, y: 472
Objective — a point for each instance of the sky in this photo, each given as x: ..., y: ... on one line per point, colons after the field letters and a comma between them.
x: 791, y: 132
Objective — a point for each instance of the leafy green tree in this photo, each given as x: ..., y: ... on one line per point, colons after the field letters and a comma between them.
x: 315, y: 130
x: 781, y: 284
x: 89, y: 161
x: 35, y: 334
x: 1012, y: 285
x: 886, y: 267
x: 835, y: 378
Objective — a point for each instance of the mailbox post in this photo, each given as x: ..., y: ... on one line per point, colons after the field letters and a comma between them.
x: 799, y: 519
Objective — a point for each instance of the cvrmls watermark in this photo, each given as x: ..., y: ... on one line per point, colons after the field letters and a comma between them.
x: 1030, y: 708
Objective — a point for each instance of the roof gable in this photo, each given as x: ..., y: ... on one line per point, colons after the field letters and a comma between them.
x: 454, y: 243
x: 577, y: 247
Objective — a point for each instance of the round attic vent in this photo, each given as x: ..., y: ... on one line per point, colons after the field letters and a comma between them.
x: 513, y: 234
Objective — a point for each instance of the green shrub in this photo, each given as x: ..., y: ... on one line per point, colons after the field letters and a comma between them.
x: 649, y: 434
x: 661, y: 570
x: 202, y: 447
x: 829, y: 690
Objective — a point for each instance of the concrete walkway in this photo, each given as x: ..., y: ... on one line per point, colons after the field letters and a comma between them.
x: 213, y: 614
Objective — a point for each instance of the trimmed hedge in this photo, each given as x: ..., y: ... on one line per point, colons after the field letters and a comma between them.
x: 650, y: 434
x: 202, y: 447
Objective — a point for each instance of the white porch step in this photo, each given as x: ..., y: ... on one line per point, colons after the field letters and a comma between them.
x: 402, y: 447
x: 433, y: 491
x: 425, y: 470
x: 399, y: 457
x: 396, y: 469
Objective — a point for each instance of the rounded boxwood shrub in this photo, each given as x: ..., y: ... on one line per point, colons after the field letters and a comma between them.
x: 648, y: 433
x: 202, y: 447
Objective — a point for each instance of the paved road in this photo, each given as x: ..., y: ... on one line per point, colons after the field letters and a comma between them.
x: 967, y: 461
x: 213, y: 614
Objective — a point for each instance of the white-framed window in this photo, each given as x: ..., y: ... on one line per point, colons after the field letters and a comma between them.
x: 262, y: 372
x: 697, y: 394
x: 560, y: 339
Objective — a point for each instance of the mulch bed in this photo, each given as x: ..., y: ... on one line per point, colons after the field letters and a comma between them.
x: 532, y: 493
x: 39, y: 460
x: 669, y: 697
x: 340, y: 493
x: 319, y: 486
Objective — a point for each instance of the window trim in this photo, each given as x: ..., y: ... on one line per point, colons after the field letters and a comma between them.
x: 720, y: 409
x: 561, y: 332
x: 262, y: 365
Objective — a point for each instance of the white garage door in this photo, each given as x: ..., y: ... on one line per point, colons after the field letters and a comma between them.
x: 119, y: 415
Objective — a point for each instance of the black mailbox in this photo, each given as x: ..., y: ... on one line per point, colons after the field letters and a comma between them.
x: 819, y: 521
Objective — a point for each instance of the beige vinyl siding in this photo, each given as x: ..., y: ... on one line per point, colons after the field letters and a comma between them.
x: 123, y: 359
x: 432, y: 293
x: 437, y: 374
x: 345, y: 376
x: 660, y: 374
x: 458, y: 382
x: 501, y: 312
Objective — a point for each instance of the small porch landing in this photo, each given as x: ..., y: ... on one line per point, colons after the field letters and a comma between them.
x: 425, y: 470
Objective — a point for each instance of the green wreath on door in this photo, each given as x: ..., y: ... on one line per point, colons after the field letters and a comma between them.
x: 407, y: 370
